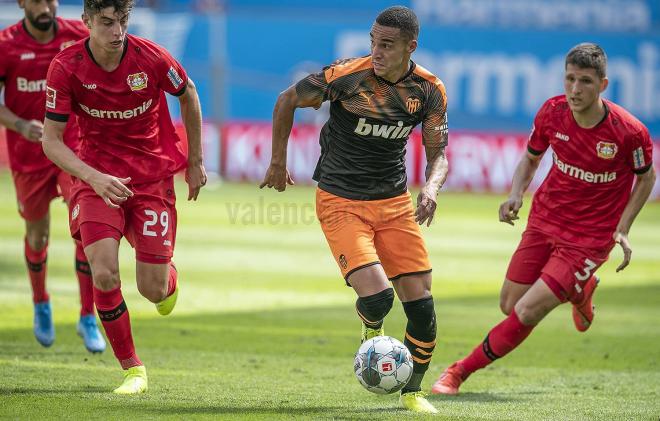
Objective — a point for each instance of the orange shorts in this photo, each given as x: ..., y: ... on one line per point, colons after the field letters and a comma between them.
x: 362, y: 233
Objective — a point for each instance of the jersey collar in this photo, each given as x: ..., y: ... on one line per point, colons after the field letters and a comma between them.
x: 91, y: 56
x: 408, y: 73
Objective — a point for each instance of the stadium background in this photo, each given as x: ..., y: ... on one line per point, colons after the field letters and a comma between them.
x: 264, y: 327
x: 499, y: 62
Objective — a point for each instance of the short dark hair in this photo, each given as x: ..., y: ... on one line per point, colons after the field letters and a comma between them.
x: 588, y: 56
x: 400, y: 17
x: 92, y: 7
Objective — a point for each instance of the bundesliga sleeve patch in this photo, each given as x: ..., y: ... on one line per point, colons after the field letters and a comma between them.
x: 174, y: 77
x: 51, y: 95
x: 638, y: 158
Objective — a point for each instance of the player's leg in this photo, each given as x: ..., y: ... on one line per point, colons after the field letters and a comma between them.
x: 537, y: 302
x: 510, y: 293
x: 110, y: 304
x: 34, y: 192
x: 350, y: 237
x: 375, y: 298
x: 414, y: 291
x: 151, y: 229
x: 574, y: 269
x: 87, y: 327
x: 36, y: 256
x: 157, y: 282
x: 525, y: 267
x: 409, y: 269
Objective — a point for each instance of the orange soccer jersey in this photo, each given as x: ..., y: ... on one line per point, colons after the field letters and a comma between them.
x: 362, y: 203
x: 363, y: 142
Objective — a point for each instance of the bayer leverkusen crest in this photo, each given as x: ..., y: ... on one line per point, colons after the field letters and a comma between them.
x: 606, y: 150
x: 137, y: 81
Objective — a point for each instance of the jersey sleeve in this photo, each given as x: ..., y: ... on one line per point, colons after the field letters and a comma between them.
x: 173, y: 78
x: 435, y: 132
x: 642, y: 152
x: 4, y: 65
x: 332, y: 83
x: 538, y: 141
x: 58, y: 92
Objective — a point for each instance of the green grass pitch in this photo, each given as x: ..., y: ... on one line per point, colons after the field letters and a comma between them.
x: 265, y: 328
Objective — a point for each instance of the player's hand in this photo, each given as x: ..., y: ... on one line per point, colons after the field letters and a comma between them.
x: 32, y: 130
x: 196, y: 179
x: 425, y: 211
x: 112, y: 189
x: 277, y: 177
x: 509, y: 210
x: 621, y: 238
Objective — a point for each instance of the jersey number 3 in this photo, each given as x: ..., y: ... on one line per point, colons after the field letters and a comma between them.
x: 586, y: 271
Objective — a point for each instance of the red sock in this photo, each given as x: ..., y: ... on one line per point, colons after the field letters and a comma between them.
x: 84, y: 274
x: 171, y: 282
x: 117, y: 325
x: 501, y: 340
x: 36, y: 265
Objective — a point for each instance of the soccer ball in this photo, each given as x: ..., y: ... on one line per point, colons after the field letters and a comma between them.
x: 383, y: 365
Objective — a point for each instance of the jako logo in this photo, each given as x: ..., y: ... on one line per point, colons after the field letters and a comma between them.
x: 579, y: 173
x: 117, y: 114
x: 561, y: 136
x: 384, y: 131
x: 24, y: 85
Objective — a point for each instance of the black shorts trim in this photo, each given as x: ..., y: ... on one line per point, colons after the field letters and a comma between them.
x: 61, y: 118
x: 401, y: 275
x: 350, y: 272
x: 534, y: 151
x: 643, y: 170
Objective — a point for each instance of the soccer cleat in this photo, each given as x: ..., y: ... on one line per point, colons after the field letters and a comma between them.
x: 88, y: 330
x: 450, y: 380
x: 368, y: 333
x: 135, y: 381
x: 44, y: 330
x: 583, y: 312
x: 416, y: 402
x: 166, y: 306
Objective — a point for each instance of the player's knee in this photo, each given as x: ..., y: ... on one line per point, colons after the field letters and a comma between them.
x: 421, y: 313
x: 375, y: 307
x: 154, y: 289
x: 506, y: 305
x: 105, y: 278
x: 37, y: 239
x: 529, y: 315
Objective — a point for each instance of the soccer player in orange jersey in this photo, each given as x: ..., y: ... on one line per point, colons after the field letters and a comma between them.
x: 27, y: 49
x: 583, y: 208
x: 362, y: 200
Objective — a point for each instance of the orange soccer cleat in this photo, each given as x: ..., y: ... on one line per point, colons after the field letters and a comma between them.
x: 583, y: 312
x: 450, y: 380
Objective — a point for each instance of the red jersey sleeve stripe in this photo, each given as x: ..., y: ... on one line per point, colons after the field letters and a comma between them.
x: 62, y: 118
x: 181, y: 91
x: 642, y: 170
x: 534, y: 151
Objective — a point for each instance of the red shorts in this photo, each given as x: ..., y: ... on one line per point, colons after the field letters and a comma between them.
x: 561, y: 265
x: 35, y: 190
x: 147, y: 219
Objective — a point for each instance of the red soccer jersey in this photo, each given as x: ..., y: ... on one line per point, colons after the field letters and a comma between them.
x: 125, y: 125
x: 23, y: 67
x: 582, y: 198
